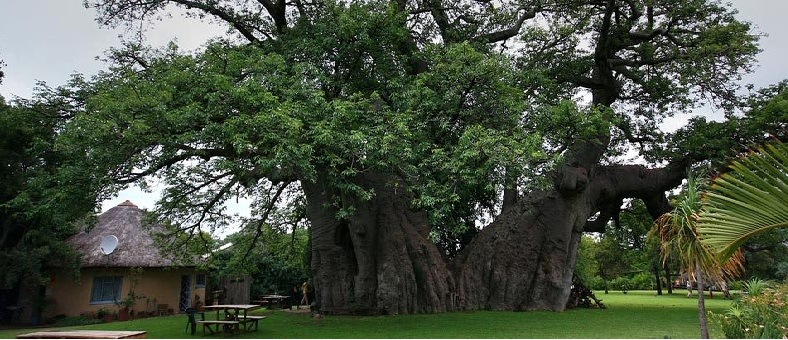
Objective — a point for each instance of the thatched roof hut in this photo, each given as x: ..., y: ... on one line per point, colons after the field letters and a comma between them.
x: 135, y: 242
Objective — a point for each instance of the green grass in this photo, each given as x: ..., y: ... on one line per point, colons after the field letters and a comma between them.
x: 639, y: 314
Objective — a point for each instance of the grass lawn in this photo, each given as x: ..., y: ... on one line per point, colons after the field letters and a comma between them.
x: 639, y: 314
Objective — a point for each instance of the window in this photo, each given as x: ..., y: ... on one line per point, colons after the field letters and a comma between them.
x: 106, y: 289
x: 200, y: 281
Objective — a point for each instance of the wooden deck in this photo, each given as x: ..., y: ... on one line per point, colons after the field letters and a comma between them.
x: 84, y: 335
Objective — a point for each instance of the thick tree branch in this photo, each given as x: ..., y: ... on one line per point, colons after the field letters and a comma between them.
x: 608, y: 212
x: 497, y: 36
x: 614, y: 183
x: 224, y: 14
x: 441, y: 19
x: 634, y: 180
x: 277, y: 12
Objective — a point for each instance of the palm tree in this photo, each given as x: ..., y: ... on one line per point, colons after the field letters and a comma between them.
x: 749, y: 200
x: 678, y: 237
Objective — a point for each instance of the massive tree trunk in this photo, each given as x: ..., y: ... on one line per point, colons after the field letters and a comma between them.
x: 378, y: 261
x: 525, y: 259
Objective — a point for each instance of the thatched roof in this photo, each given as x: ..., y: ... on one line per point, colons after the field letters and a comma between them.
x: 135, y: 243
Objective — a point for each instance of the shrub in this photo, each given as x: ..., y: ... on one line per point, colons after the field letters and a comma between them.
x: 596, y: 283
x: 755, y: 286
x: 619, y: 283
x: 642, y: 281
x: 761, y: 315
x: 76, y: 321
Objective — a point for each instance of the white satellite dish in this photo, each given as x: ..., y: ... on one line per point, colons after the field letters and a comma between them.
x: 108, y: 244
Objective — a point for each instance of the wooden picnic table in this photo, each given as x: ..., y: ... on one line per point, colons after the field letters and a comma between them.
x: 272, y: 300
x: 233, y: 317
x: 84, y: 335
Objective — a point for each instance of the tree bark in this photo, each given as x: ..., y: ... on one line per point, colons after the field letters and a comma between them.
x: 525, y: 259
x: 379, y: 261
x: 667, y: 279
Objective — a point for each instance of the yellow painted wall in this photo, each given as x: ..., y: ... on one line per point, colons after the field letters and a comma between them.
x: 71, y: 297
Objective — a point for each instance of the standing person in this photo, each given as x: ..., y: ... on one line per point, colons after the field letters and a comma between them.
x: 689, y: 288
x: 294, y: 296
x: 724, y: 287
x: 304, y: 291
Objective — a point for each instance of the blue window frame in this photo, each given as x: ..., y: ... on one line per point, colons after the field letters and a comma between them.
x: 199, y: 282
x: 106, y: 289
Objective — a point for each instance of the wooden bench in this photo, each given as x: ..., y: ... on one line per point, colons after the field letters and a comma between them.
x: 249, y: 321
x: 231, y: 326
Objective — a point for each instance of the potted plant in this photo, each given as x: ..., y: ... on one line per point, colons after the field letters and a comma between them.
x: 103, y: 314
x: 126, y: 304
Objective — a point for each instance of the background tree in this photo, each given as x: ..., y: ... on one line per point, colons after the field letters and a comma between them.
x: 38, y: 210
x: 624, y: 250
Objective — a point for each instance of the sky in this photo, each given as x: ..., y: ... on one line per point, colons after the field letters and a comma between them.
x: 48, y: 40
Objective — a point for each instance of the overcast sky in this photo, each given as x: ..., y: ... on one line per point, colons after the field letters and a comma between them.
x: 47, y: 40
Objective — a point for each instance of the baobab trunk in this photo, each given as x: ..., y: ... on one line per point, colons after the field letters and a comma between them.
x: 525, y: 259
x: 379, y: 260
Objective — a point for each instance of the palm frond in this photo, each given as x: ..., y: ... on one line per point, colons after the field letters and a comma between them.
x: 749, y: 200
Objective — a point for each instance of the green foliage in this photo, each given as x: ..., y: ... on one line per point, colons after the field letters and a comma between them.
x: 39, y: 208
x: 620, y: 283
x: 639, y: 281
x: 642, y: 281
x: 76, y: 321
x: 764, y: 115
x: 625, y: 249
x: 586, y: 267
x: 736, y: 285
x: 276, y: 258
x: 755, y: 286
x: 766, y: 255
x: 757, y: 316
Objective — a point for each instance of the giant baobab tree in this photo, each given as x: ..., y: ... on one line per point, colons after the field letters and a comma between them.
x: 400, y: 123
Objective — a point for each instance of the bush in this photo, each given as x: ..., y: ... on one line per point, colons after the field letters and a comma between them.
x: 596, y: 283
x: 755, y: 286
x: 762, y: 315
x: 642, y: 281
x: 76, y: 321
x: 619, y: 283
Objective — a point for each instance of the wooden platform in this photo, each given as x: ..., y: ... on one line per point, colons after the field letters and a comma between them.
x: 84, y: 335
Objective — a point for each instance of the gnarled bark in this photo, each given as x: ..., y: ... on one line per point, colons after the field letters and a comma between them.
x: 525, y: 259
x: 380, y: 261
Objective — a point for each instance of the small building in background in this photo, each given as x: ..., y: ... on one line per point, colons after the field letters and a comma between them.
x: 159, y: 284
x: 235, y: 290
